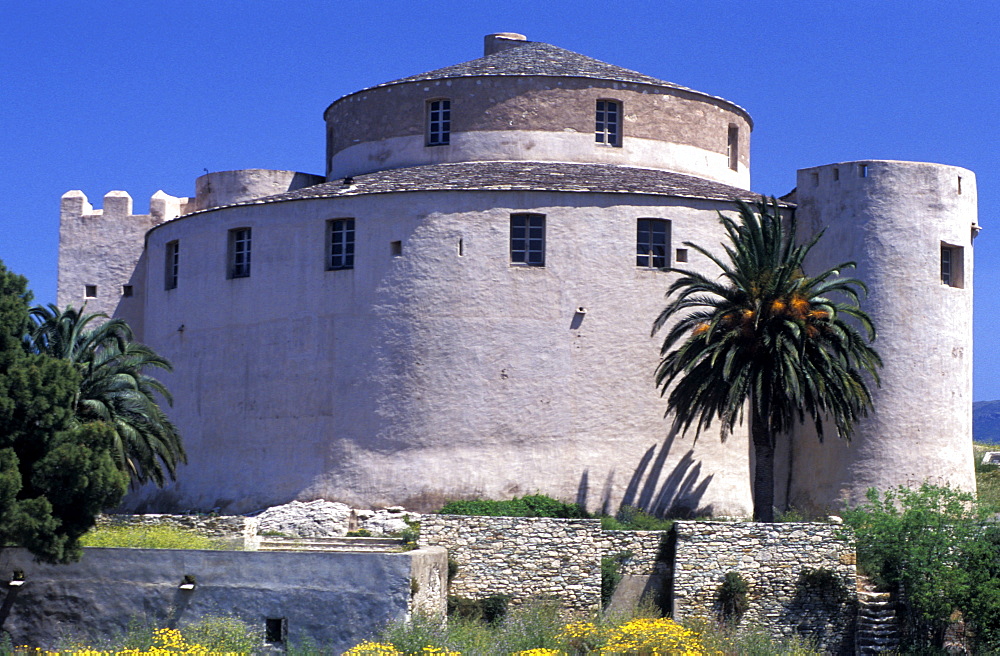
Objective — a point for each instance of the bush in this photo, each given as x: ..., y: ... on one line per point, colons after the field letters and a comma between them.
x: 490, y: 609
x: 150, y: 537
x: 611, y: 575
x: 732, y: 598
x: 537, y: 505
x: 630, y: 518
x: 919, y: 541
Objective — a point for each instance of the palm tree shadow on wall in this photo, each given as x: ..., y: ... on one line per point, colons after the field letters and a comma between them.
x: 677, y: 493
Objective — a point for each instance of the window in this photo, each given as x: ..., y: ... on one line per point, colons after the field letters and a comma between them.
x: 863, y: 170
x: 128, y: 291
x: 438, y: 122
x: 527, y: 239
x: 90, y: 291
x: 340, y: 244
x: 608, y: 123
x: 172, y: 263
x: 682, y: 255
x: 733, y: 147
x: 275, y: 630
x: 952, y: 265
x: 239, y: 253
x: 652, y: 243
x: 396, y: 248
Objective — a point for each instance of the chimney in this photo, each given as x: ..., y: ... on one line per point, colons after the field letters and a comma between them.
x: 501, y: 41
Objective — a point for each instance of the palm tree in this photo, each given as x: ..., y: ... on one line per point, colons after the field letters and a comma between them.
x: 115, y: 387
x: 766, y: 339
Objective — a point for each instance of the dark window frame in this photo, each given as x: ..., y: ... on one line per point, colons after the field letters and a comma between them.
x: 171, y: 264
x: 340, y: 244
x: 652, y: 243
x: 608, y: 122
x: 240, y: 252
x: 527, y: 239
x: 438, y: 122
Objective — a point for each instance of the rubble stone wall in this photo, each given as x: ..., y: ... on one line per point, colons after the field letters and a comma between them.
x: 802, y: 577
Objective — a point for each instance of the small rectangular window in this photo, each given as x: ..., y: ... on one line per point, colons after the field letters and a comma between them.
x: 652, y: 243
x: 90, y: 291
x: 608, y: 124
x: 836, y: 174
x: 438, y: 122
x: 396, y: 248
x: 952, y: 265
x: 172, y: 262
x: 863, y: 170
x: 340, y: 244
x: 239, y: 253
x: 127, y: 291
x: 733, y: 147
x: 682, y: 255
x: 275, y: 630
x: 527, y: 239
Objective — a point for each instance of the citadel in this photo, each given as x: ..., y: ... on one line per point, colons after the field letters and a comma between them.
x: 461, y: 306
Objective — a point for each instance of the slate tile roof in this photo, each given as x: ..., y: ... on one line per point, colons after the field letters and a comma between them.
x: 534, y: 58
x: 519, y: 176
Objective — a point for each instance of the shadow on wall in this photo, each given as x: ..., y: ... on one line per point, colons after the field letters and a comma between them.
x: 676, y: 494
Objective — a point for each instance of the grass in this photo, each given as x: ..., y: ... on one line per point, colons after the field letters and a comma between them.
x: 151, y: 537
x: 987, y: 476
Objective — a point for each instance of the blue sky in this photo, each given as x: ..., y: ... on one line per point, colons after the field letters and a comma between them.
x: 144, y: 96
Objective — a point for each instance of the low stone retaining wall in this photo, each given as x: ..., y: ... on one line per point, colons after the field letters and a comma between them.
x: 647, y: 549
x: 229, y: 527
x: 526, y: 558
x: 802, y: 577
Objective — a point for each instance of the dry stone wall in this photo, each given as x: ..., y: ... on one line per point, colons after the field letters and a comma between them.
x: 525, y: 558
x: 645, y: 549
x: 802, y: 577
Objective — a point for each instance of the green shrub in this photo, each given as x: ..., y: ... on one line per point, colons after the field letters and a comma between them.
x: 490, y: 609
x: 630, y: 518
x: 224, y: 634
x: 919, y: 541
x: 360, y: 533
x: 150, y: 537
x: 611, y: 575
x: 732, y: 598
x: 537, y: 505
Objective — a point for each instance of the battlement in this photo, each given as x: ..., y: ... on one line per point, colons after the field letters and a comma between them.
x: 118, y: 205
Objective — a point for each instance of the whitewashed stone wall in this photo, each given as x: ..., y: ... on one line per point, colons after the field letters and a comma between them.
x: 772, y: 559
x: 526, y: 558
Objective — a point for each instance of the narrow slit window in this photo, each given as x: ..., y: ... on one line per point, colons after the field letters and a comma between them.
x: 527, y: 239
x: 733, y: 147
x: 396, y: 248
x: 608, y: 123
x: 172, y: 262
x: 863, y: 170
x: 239, y: 253
x: 461, y: 247
x: 340, y: 244
x: 438, y: 122
x: 959, y: 185
x: 652, y: 243
x: 836, y: 174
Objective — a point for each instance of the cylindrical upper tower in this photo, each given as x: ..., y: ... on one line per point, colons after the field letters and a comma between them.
x: 910, y: 228
x: 528, y: 101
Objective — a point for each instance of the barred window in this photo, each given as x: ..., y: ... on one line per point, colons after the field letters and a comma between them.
x: 438, y: 122
x: 340, y: 244
x: 527, y: 239
x: 239, y: 253
x: 172, y: 262
x: 652, y: 243
x: 608, y: 123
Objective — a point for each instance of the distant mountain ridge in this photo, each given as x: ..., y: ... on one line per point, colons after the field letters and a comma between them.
x: 986, y: 422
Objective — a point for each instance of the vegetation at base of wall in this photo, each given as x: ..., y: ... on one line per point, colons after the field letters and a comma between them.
x: 611, y: 575
x: 360, y: 533
x: 409, y: 535
x: 630, y: 518
x: 942, y: 549
x: 535, y: 505
x: 732, y: 598
x: 987, y: 476
x: 537, y: 630
x: 151, y: 537
x: 489, y: 610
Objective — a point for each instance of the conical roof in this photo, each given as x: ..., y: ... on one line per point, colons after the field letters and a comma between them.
x: 534, y: 58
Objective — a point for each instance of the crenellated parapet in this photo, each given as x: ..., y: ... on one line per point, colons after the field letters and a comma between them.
x: 101, y: 251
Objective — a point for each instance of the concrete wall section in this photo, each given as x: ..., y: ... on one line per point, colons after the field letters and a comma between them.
x: 892, y: 218
x: 336, y: 599
x: 442, y: 372
x: 802, y: 577
x: 546, y: 118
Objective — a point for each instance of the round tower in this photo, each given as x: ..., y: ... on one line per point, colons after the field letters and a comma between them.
x: 909, y: 226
